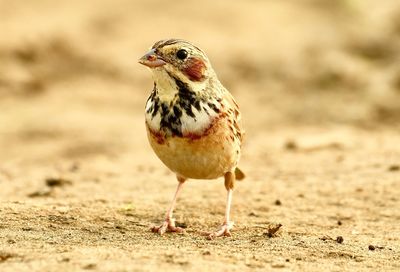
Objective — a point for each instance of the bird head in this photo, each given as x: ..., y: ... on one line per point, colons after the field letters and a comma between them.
x: 179, y: 59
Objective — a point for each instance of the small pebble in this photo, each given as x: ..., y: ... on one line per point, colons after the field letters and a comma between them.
x: 90, y: 266
x: 278, y: 265
x: 57, y: 182
x: 291, y: 145
x: 253, y: 214
x: 371, y: 247
x: 272, y: 230
x: 339, y: 239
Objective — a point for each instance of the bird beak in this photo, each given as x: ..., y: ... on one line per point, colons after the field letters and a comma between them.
x: 152, y: 60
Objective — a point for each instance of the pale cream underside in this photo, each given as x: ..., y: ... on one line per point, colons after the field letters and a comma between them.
x: 209, y: 157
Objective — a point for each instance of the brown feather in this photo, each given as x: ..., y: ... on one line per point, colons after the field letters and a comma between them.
x: 195, y: 69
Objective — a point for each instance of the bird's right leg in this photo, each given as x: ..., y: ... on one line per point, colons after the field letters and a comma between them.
x: 169, y: 223
x: 227, y: 225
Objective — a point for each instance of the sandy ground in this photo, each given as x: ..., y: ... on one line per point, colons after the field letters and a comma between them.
x: 318, y: 83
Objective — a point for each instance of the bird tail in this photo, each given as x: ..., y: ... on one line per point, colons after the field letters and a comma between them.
x: 239, y: 174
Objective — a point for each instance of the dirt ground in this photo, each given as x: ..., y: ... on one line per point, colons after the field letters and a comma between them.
x: 318, y: 83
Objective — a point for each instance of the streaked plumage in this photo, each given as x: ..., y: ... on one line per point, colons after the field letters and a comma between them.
x: 193, y: 122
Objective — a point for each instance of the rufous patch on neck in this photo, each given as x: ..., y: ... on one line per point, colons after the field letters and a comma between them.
x: 195, y: 69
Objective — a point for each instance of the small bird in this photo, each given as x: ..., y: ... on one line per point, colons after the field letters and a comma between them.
x: 193, y: 123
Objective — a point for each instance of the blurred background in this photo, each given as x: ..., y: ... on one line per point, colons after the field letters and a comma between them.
x: 71, y: 87
x: 318, y: 83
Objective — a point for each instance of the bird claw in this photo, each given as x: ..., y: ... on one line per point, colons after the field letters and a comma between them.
x: 167, y: 226
x: 223, y: 231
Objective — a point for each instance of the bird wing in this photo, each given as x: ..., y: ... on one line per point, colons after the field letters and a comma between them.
x: 236, y: 122
x: 235, y: 116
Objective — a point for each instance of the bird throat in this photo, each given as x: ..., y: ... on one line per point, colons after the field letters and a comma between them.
x: 174, y: 109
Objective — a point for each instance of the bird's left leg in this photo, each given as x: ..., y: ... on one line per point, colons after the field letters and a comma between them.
x: 227, y: 225
x: 169, y: 224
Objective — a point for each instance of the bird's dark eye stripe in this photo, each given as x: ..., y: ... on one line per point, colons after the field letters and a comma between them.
x: 181, y: 54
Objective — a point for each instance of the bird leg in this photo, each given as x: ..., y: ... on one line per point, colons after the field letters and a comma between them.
x: 227, y: 225
x: 169, y: 224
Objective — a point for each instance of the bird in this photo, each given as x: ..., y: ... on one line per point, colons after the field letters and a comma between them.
x: 193, y: 123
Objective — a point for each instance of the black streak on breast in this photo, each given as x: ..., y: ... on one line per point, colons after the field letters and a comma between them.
x: 171, y: 113
x: 213, y: 107
x: 186, y: 98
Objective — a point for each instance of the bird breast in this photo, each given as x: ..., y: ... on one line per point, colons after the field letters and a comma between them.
x: 180, y: 118
x: 208, y: 155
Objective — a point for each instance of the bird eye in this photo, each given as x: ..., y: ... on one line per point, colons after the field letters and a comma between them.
x: 182, y: 54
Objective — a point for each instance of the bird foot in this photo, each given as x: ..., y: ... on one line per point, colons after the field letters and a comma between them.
x: 224, y: 230
x: 167, y: 226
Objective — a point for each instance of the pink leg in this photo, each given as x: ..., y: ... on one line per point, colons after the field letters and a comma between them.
x: 169, y: 224
x: 227, y: 225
